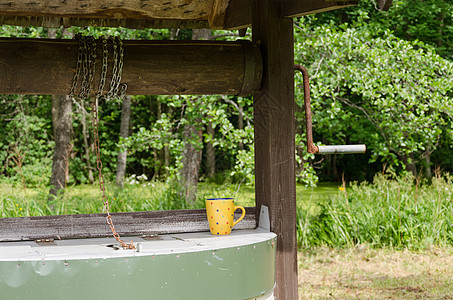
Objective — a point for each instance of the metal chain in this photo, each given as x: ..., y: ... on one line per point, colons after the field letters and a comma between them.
x: 85, y: 54
x: 86, y: 62
x: 111, y: 92
x: 120, y: 65
x: 105, y: 57
x: 78, y: 37
x: 130, y: 245
x: 91, y: 62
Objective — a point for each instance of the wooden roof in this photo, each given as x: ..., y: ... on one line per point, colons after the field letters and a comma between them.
x: 214, y: 14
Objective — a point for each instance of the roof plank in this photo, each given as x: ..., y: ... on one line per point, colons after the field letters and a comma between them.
x: 238, y: 13
x: 109, y: 9
x: 215, y: 14
x: 297, y: 8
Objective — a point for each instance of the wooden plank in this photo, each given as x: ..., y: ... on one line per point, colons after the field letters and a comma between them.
x: 39, y: 66
x: 274, y: 109
x: 109, y: 9
x: 217, y: 14
x: 297, y: 8
x: 239, y: 12
x: 126, y: 224
x: 57, y: 22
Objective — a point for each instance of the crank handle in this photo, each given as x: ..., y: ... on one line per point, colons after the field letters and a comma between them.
x: 341, y: 149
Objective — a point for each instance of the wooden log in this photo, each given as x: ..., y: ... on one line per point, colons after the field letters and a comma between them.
x: 126, y: 224
x: 41, y: 66
x: 274, y: 117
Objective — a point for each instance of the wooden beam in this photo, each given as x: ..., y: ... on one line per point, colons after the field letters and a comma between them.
x: 38, y: 66
x: 297, y: 8
x: 274, y: 108
x: 216, y: 16
x: 239, y: 12
x: 108, y: 9
x: 57, y: 22
x: 126, y: 224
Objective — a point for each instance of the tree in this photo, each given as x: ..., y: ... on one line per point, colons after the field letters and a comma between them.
x: 62, y: 108
x: 124, y: 133
x: 62, y: 130
x: 373, y: 87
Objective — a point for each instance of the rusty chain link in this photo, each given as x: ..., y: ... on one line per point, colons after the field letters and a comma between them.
x: 86, y: 62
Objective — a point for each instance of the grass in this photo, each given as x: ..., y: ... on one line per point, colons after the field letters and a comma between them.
x: 400, y: 213
x: 18, y: 202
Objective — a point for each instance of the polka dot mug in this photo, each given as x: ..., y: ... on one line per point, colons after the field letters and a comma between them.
x: 220, y: 212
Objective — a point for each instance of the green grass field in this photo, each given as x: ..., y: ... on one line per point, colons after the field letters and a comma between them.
x: 17, y: 202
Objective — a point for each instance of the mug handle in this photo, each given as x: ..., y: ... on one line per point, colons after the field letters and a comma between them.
x: 241, y: 217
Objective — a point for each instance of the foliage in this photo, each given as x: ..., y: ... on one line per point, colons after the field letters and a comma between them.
x: 428, y: 21
x: 391, y: 94
x: 398, y: 212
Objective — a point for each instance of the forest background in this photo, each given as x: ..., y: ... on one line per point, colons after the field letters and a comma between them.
x: 384, y: 79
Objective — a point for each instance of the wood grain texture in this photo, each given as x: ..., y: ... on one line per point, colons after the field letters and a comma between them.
x: 297, y: 8
x: 39, y: 66
x: 107, y: 13
x: 274, y: 118
x: 126, y: 224
x: 239, y: 12
x: 56, y: 22
x: 216, y: 16
x: 109, y: 9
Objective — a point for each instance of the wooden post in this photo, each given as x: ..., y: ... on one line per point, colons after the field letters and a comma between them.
x: 274, y: 138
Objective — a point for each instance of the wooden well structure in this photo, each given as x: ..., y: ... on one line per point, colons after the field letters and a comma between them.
x: 263, y: 68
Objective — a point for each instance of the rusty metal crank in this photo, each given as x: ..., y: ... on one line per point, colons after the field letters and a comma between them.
x: 312, y: 148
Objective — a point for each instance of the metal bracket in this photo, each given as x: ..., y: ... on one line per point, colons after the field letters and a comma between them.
x: 45, y: 242
x: 264, y: 222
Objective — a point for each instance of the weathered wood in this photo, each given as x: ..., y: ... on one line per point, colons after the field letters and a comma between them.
x: 127, y: 224
x: 112, y: 13
x: 239, y: 12
x: 109, y: 9
x: 297, y: 8
x: 215, y: 14
x: 40, y: 66
x: 56, y: 22
x: 274, y: 110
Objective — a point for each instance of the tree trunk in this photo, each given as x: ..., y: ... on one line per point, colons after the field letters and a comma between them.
x: 409, y: 164
x: 63, y: 134
x: 192, y: 138
x: 124, y: 133
x: 167, y: 149
x: 191, y: 160
x: 210, y: 152
x: 240, y: 123
x: 428, y: 172
x: 86, y: 146
x: 62, y: 131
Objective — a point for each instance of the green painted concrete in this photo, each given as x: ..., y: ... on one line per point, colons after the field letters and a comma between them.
x: 240, y: 272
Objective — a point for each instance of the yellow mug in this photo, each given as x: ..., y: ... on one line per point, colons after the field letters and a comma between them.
x: 220, y: 212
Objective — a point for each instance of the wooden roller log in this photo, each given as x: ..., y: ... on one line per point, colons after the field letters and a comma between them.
x: 47, y: 67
